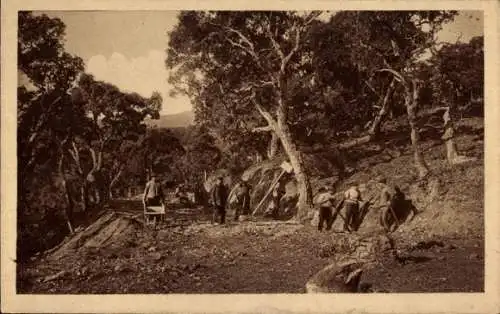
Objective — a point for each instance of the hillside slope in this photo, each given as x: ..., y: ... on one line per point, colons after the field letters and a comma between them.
x: 441, y: 250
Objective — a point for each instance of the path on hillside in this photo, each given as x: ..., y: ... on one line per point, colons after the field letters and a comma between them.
x: 189, y: 255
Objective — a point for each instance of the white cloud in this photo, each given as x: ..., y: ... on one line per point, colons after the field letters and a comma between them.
x: 143, y: 75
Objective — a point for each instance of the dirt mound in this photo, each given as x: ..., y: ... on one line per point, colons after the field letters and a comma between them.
x: 110, y: 230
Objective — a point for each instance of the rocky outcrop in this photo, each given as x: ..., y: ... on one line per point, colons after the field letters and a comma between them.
x: 336, y: 278
x: 349, y: 256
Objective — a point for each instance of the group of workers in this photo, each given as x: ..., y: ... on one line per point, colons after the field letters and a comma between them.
x: 391, y: 200
x: 328, y: 212
x: 391, y: 203
x: 153, y: 196
x: 220, y: 197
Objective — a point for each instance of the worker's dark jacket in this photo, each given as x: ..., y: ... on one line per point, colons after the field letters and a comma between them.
x: 220, y: 195
x: 244, y: 195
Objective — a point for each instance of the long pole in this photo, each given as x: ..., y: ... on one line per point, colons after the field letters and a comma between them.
x: 268, y: 192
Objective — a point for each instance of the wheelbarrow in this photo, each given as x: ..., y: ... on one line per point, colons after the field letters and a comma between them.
x: 154, y: 214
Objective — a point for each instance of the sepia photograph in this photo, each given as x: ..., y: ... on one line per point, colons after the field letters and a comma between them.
x: 249, y: 152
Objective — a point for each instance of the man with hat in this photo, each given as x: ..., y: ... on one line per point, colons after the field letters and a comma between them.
x: 153, y: 194
x: 219, y: 196
x: 324, y: 202
x: 392, y: 201
x: 243, y: 197
x: 352, y: 197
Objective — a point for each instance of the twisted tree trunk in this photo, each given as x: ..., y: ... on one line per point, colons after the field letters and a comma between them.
x: 304, y: 204
x: 273, y: 145
x: 411, y: 97
x: 280, y: 127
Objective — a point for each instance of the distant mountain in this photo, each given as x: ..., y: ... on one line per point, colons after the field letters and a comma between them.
x: 178, y: 120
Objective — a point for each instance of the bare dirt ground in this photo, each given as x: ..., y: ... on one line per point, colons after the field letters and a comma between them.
x: 441, y: 250
x: 188, y: 255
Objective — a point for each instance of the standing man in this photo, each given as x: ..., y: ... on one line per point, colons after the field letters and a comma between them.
x: 352, y: 197
x: 275, y: 200
x: 243, y: 195
x: 153, y: 193
x: 219, y: 197
x: 324, y: 202
x: 392, y: 202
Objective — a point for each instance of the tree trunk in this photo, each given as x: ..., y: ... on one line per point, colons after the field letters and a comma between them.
x: 84, y: 196
x: 304, y: 204
x: 451, y: 147
x: 68, y: 209
x: 273, y: 145
x: 374, y: 131
x: 411, y: 98
x: 449, y: 133
x: 377, y: 122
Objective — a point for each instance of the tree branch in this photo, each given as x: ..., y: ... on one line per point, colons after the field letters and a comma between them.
x: 41, y: 121
x: 250, y: 50
x: 373, y: 89
x: 270, y: 35
x: 264, y: 113
x: 242, y: 37
x: 295, y: 48
x: 73, y: 151
x: 94, y: 158
x: 397, y: 75
x: 266, y: 128
x: 311, y: 17
x: 245, y: 49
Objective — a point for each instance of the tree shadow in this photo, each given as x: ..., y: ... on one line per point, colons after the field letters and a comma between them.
x: 426, y: 245
x: 361, y: 215
x: 288, y: 208
x: 402, y: 213
x: 415, y: 259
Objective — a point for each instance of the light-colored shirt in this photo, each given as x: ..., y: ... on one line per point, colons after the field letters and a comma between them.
x: 386, y: 195
x: 352, y: 194
x: 324, y: 199
x: 152, y: 189
x: 389, y: 194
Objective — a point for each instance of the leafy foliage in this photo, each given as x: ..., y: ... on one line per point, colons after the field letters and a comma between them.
x: 457, y: 72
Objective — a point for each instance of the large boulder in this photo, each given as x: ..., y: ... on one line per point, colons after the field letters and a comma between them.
x: 260, y: 177
x: 336, y: 278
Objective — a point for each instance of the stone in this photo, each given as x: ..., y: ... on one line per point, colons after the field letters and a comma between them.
x: 156, y: 256
x: 336, y: 277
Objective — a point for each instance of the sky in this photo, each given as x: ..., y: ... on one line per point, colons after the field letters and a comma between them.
x: 128, y: 48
